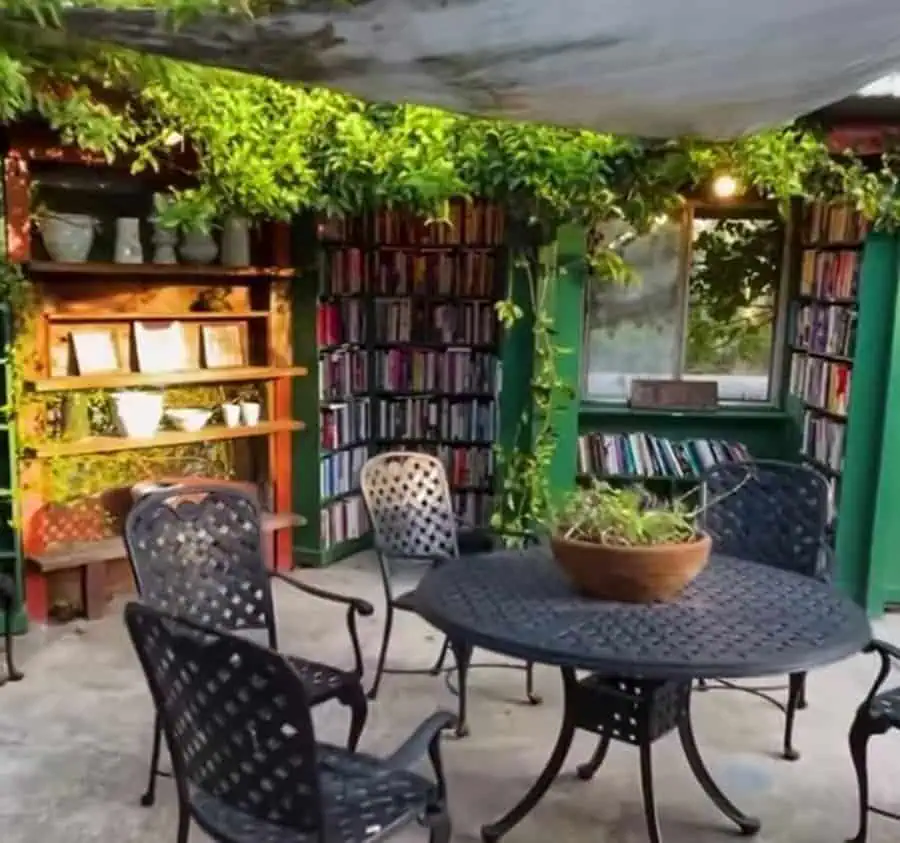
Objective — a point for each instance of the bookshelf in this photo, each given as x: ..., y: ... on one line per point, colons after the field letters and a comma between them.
x: 823, y: 328
x: 644, y: 458
x: 408, y: 358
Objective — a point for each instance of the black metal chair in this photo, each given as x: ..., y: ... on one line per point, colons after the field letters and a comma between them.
x: 774, y: 513
x: 247, y: 766
x: 7, y: 607
x: 878, y: 714
x: 196, y: 551
x: 408, y: 501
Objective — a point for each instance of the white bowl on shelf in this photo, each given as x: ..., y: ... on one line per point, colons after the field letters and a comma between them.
x: 188, y: 419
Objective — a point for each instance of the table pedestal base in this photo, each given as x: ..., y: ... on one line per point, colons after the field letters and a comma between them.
x: 637, y: 712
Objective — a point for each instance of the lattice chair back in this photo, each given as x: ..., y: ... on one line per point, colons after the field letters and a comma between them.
x: 196, y: 552
x: 767, y: 511
x: 236, y: 718
x: 409, y: 504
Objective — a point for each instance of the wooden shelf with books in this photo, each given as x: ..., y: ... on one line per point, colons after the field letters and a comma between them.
x: 645, y: 459
x: 822, y: 332
x: 407, y: 349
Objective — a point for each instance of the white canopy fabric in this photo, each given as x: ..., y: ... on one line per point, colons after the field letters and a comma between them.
x: 655, y: 68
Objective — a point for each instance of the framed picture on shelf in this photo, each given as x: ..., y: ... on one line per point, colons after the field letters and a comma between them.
x: 161, y: 347
x: 224, y: 345
x: 94, y: 352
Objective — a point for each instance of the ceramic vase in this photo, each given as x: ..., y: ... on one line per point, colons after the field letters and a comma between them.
x: 236, y: 242
x: 137, y: 414
x: 164, y: 239
x: 68, y: 237
x: 250, y: 412
x: 198, y: 247
x: 128, y: 240
x: 231, y: 415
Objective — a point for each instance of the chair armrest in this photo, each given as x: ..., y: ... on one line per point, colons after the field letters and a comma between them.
x: 826, y: 570
x: 886, y: 652
x: 425, y: 740
x: 355, y: 606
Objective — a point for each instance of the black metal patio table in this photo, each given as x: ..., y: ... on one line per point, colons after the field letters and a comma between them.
x: 736, y: 620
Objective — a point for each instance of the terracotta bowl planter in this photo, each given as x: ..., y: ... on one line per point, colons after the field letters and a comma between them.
x: 631, y: 574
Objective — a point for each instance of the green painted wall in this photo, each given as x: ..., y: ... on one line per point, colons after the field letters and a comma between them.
x: 868, y: 523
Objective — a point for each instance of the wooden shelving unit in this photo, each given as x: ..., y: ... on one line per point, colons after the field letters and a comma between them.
x: 81, y: 537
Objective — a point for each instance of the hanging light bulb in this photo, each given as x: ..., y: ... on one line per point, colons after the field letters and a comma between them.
x: 725, y: 186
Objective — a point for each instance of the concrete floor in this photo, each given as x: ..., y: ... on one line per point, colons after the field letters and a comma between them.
x: 74, y: 739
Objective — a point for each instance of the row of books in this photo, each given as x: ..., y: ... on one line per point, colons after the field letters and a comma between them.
x: 646, y: 455
x: 821, y: 384
x: 468, y: 222
x: 473, y: 508
x: 830, y: 275
x: 469, y: 468
x: 825, y: 329
x: 823, y: 440
x: 835, y: 222
x: 344, y: 424
x: 414, y: 320
x: 436, y: 419
x: 340, y: 322
x: 343, y: 521
x: 339, y: 472
x: 452, y: 371
x: 343, y: 374
x: 465, y: 274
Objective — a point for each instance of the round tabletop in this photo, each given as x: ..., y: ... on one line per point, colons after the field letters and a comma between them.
x: 737, y: 619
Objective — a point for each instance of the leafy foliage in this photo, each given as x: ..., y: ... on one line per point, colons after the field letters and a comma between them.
x: 627, y: 517
x: 732, y: 287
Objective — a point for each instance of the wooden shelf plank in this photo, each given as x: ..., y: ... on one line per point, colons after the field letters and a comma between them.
x: 161, y: 271
x: 137, y: 316
x: 163, y: 439
x: 78, y: 554
x: 116, y: 380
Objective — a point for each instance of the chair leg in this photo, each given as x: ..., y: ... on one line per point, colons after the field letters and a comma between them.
x: 803, y: 702
x: 438, y: 666
x: 589, y: 769
x: 441, y: 829
x: 382, y: 656
x: 462, y: 652
x: 184, y: 824
x: 647, y: 788
x: 359, y: 711
x: 860, y: 732
x: 149, y: 796
x: 531, y: 696
x: 795, y: 693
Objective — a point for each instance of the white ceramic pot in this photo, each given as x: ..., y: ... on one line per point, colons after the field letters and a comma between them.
x: 68, y: 237
x: 250, y: 412
x: 128, y: 240
x: 198, y: 247
x: 189, y: 419
x: 231, y: 415
x: 138, y: 414
x: 164, y: 239
x: 236, y: 242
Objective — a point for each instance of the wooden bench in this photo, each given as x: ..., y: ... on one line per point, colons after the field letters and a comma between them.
x: 90, y: 559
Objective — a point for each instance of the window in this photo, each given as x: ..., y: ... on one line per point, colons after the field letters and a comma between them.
x: 705, y: 305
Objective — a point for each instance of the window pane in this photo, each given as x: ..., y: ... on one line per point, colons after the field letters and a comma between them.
x: 734, y: 279
x: 633, y: 331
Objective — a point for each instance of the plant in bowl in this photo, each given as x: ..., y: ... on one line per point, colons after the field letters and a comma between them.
x: 188, y: 419
x: 625, y: 544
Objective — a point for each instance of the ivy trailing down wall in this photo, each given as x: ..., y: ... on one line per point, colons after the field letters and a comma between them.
x: 266, y: 150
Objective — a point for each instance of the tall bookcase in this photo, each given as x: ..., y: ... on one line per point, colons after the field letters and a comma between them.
x: 407, y: 355
x: 822, y: 337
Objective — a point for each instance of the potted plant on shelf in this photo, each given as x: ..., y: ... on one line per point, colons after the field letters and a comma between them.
x: 624, y: 544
